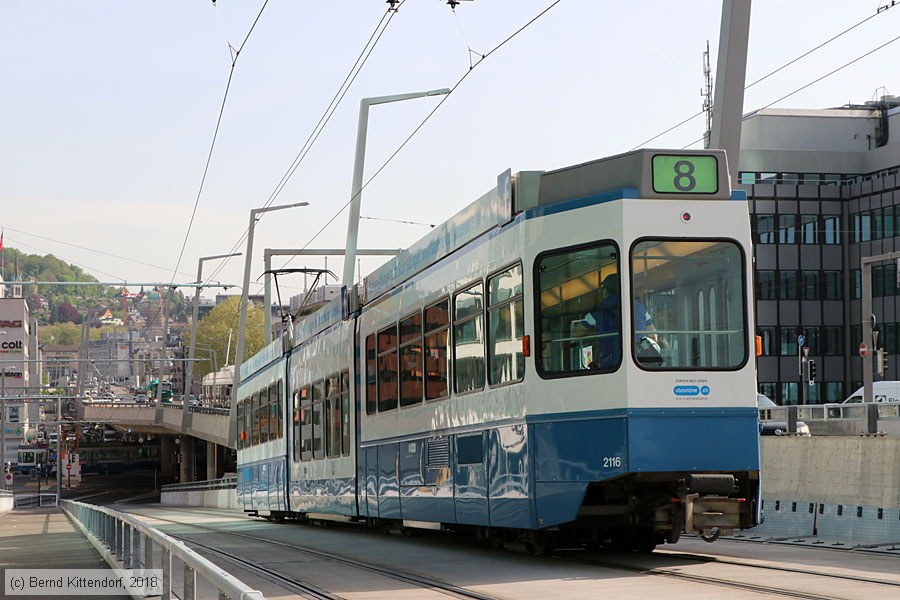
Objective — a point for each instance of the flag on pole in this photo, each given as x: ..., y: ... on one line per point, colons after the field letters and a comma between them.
x: 1, y: 240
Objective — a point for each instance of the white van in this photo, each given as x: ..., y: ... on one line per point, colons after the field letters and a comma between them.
x: 882, y: 391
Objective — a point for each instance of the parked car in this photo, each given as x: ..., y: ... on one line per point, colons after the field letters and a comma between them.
x: 141, y: 398
x: 768, y: 427
x: 882, y: 391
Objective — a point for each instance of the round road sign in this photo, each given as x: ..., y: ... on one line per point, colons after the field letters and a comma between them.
x: 68, y: 467
x: 9, y: 478
x: 863, y: 349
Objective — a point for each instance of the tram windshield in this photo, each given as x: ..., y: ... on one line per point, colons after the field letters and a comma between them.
x: 689, y: 304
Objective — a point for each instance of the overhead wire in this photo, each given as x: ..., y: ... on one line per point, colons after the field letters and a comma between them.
x: 424, y: 121
x: 146, y: 264
x: 335, y: 102
x: 878, y: 12
x: 333, y: 105
x: 235, y: 55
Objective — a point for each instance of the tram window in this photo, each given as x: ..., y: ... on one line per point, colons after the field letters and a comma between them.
x: 263, y: 415
x: 437, y: 365
x: 371, y: 375
x: 317, y: 410
x: 468, y: 339
x: 332, y: 416
x: 345, y: 413
x: 273, y: 412
x: 240, y: 425
x: 506, y: 324
x: 296, y: 412
x: 692, y: 294
x: 411, y: 360
x: 579, y: 320
x: 254, y: 400
x: 280, y: 415
x: 248, y: 422
x: 387, y: 369
x: 306, y: 441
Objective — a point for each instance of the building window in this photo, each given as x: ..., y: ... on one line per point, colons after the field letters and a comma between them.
x: 813, y: 392
x: 746, y: 178
x: 877, y: 224
x: 788, y: 341
x: 833, y: 284
x: 789, y: 393
x: 811, y: 340
x: 889, y: 222
x: 856, y: 288
x: 809, y: 229
x: 765, y: 285
x: 769, y: 389
x: 862, y: 227
x: 765, y: 229
x: 810, y: 285
x: 834, y: 391
x: 767, y: 335
x: 787, y: 285
x: 787, y: 229
x: 831, y: 228
x: 832, y: 341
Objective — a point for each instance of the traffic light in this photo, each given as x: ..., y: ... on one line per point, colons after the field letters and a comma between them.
x: 812, y: 371
x: 881, y: 361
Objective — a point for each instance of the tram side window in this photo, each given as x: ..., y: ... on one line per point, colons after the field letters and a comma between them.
x: 248, y: 422
x: 387, y: 369
x: 437, y: 364
x: 332, y: 416
x: 279, y: 426
x: 371, y: 375
x: 506, y: 324
x: 240, y: 425
x: 317, y: 410
x: 254, y: 400
x: 306, y: 440
x: 345, y: 413
x: 579, y: 313
x: 273, y: 412
x: 296, y: 412
x: 468, y: 339
x: 263, y: 415
x: 411, y: 360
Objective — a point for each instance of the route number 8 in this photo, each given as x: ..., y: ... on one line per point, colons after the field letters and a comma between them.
x: 684, y: 176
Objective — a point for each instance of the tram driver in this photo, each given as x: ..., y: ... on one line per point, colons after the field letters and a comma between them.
x: 604, y: 321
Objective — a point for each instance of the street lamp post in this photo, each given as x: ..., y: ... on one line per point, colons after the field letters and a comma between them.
x: 194, y: 317
x: 3, y: 416
x: 358, y: 165
x: 242, y: 324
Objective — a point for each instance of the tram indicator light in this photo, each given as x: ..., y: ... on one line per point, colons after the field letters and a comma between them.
x: 685, y: 174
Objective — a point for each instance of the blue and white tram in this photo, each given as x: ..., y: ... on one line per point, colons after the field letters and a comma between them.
x: 492, y: 378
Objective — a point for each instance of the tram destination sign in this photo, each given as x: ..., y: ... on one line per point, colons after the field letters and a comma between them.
x: 685, y: 174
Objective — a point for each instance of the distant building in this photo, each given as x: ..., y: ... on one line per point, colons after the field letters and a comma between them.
x: 824, y: 191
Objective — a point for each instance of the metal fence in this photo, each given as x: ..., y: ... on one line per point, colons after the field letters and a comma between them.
x: 136, y: 545
x: 35, y: 500
x: 840, y: 419
x: 225, y: 483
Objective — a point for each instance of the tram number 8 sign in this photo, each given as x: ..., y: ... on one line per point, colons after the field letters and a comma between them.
x: 685, y: 174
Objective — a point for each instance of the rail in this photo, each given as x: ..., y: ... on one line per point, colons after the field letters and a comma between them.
x: 225, y: 483
x: 136, y: 545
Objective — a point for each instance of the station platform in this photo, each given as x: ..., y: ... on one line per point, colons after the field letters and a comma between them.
x: 44, y: 538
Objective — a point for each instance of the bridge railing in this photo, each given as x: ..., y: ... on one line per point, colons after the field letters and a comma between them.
x: 224, y: 483
x: 35, y: 500
x: 136, y: 545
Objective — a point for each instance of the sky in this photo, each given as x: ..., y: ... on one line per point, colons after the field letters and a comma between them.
x: 109, y: 109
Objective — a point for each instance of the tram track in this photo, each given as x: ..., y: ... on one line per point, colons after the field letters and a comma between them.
x: 677, y: 558
x: 305, y: 588
x: 664, y: 564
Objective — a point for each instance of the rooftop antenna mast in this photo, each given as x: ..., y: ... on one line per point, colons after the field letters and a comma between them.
x: 707, y: 93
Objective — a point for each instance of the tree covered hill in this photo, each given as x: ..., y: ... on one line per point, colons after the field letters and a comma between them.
x: 33, y: 267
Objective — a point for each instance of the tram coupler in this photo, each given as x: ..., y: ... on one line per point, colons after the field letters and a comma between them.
x: 711, y: 516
